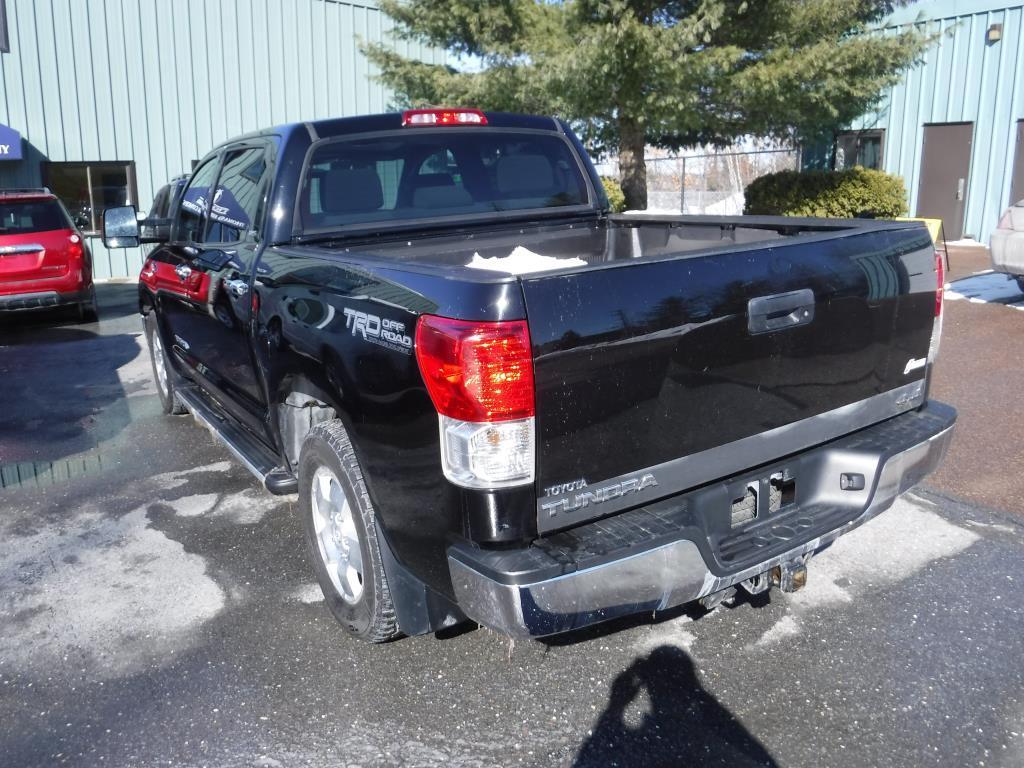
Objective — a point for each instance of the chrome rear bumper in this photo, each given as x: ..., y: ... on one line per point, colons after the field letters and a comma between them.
x: 676, y: 572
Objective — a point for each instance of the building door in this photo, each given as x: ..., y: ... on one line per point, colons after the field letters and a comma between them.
x: 1017, y: 180
x: 945, y: 169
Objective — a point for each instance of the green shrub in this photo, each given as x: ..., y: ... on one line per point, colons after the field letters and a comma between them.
x: 616, y: 198
x: 833, y: 194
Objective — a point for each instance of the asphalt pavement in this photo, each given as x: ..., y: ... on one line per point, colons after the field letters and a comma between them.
x: 156, y: 608
x: 980, y: 370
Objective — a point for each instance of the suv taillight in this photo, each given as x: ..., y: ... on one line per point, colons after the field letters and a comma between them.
x: 480, y: 378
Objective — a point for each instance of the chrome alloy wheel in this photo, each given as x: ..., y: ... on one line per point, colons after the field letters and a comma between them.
x: 159, y: 362
x: 336, y: 535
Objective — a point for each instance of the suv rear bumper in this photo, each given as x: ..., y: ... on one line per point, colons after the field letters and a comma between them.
x: 41, y: 300
x: 652, y: 559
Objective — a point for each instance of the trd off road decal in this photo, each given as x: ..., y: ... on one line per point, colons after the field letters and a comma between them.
x: 382, y: 331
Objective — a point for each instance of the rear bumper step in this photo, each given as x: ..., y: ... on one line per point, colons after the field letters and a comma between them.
x: 656, y: 557
x: 257, y: 459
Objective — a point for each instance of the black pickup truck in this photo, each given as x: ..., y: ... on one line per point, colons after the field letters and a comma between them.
x: 498, y: 401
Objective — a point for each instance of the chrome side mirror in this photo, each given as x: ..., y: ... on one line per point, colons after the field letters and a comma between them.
x: 120, y: 227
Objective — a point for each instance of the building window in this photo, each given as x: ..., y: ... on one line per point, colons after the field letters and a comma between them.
x: 863, y: 148
x: 5, y: 38
x: 88, y: 189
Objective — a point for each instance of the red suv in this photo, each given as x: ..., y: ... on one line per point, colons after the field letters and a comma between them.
x: 44, y: 261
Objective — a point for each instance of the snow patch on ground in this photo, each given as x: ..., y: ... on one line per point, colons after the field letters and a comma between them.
x: 136, y: 376
x: 889, y: 549
x: 95, y: 595
x: 787, y: 626
x: 307, y: 593
x: 193, y: 506
x: 244, y: 508
x: 986, y: 288
x: 168, y: 480
x: 994, y: 526
x: 670, y: 632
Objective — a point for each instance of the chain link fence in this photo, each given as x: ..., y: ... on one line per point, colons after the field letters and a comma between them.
x: 710, y: 184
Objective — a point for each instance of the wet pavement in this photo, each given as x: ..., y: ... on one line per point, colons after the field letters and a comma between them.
x: 980, y: 370
x: 156, y: 608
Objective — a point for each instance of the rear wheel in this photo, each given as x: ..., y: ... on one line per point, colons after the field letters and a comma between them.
x: 342, y: 535
x: 87, y: 310
x: 161, y: 369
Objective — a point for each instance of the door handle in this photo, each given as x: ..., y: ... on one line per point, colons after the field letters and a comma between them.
x: 780, y: 311
x: 183, y: 271
x: 960, y: 189
x: 237, y: 287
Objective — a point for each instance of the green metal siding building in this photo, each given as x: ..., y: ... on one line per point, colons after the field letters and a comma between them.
x: 113, y: 98
x: 954, y: 127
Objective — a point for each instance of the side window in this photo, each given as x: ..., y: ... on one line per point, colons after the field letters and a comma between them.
x: 159, y: 208
x: 195, y: 203
x: 239, y: 196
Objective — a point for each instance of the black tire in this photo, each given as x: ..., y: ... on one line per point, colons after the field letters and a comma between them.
x: 169, y: 400
x: 88, y: 312
x: 370, y: 614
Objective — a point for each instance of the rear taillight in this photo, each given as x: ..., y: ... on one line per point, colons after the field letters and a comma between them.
x: 429, y: 117
x: 1005, y: 221
x: 75, y: 249
x: 480, y: 378
x: 940, y: 280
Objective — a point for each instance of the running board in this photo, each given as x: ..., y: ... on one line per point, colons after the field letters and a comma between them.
x: 254, y: 457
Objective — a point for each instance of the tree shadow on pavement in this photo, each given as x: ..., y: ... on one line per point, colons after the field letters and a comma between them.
x: 659, y: 714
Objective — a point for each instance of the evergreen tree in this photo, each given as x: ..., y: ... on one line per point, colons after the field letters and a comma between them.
x: 627, y: 73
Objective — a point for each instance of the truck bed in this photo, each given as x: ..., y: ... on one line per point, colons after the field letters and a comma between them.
x: 609, y: 241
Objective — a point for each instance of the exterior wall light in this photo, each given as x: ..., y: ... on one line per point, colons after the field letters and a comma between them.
x: 994, y: 34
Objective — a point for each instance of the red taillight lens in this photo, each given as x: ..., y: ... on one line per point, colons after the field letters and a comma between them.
x: 430, y: 117
x: 75, y: 250
x: 1005, y: 221
x: 476, y: 371
x: 940, y: 276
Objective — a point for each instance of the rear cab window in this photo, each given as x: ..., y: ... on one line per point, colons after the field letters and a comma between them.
x: 428, y: 174
x: 21, y: 217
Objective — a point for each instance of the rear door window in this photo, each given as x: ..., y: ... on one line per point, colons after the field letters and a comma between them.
x: 193, y: 210
x: 25, y: 217
x: 238, y: 198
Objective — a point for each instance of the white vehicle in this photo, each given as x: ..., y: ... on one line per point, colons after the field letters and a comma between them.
x: 1007, y: 244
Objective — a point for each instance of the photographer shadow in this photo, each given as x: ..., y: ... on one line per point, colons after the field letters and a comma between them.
x: 679, y: 725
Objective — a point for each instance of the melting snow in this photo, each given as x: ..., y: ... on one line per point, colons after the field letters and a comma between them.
x: 245, y: 507
x: 891, y: 548
x: 307, y: 593
x: 670, y: 632
x: 523, y: 262
x: 986, y: 288
x: 96, y: 594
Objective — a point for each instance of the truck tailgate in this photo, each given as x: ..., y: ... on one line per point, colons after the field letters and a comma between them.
x: 657, y: 376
